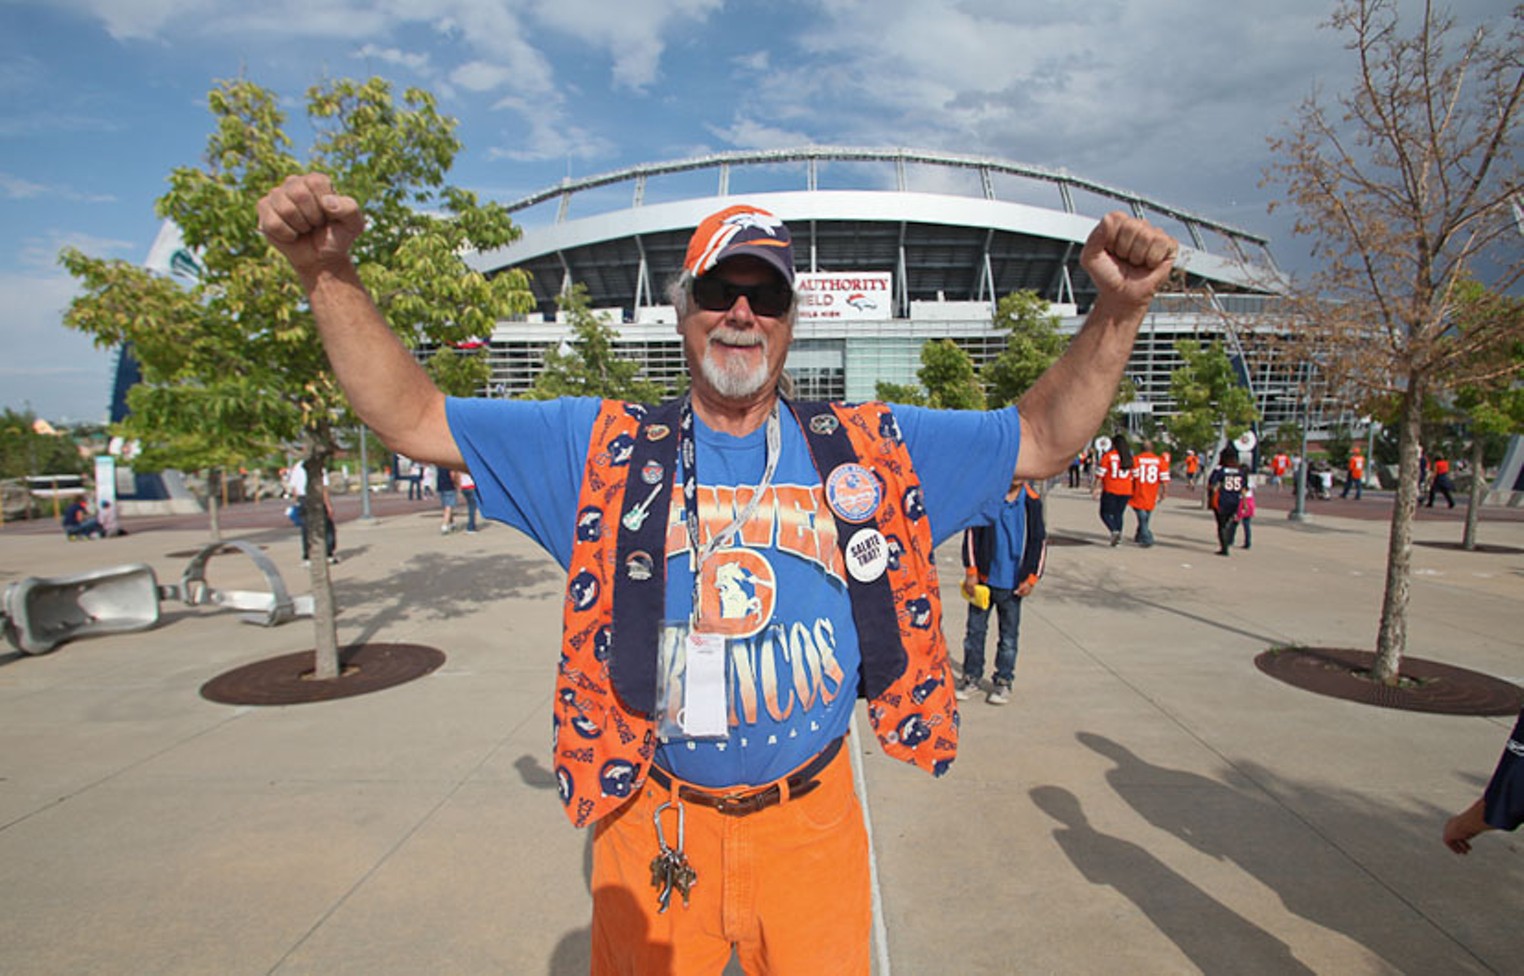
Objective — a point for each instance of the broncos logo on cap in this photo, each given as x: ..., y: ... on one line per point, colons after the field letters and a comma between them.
x: 733, y: 228
x: 755, y: 218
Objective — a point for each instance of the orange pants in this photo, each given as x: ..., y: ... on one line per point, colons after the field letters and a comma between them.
x: 787, y: 886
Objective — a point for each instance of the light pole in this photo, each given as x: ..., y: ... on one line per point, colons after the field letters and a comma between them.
x: 1299, y: 512
x: 365, y: 515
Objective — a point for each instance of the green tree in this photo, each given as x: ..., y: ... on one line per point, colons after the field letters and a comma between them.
x: 947, y: 374
x: 1493, y: 407
x: 1033, y: 343
x: 587, y: 365
x: 1403, y: 188
x: 907, y: 393
x: 242, y: 336
x: 1211, y: 405
x: 24, y: 452
x: 459, y: 372
x: 1118, y: 417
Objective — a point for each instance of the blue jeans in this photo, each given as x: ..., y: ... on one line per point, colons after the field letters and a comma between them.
x: 1113, y: 508
x: 1008, y: 605
x: 1145, y: 535
x: 470, y: 494
x: 330, y: 534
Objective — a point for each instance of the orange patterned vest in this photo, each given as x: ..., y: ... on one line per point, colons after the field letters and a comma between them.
x: 605, y: 685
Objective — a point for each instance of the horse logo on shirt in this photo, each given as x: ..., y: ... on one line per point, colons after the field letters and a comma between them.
x: 738, y: 593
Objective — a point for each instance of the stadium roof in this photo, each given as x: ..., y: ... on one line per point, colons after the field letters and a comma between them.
x: 958, y: 228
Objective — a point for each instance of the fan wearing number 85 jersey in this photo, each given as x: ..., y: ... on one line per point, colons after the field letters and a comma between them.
x: 1150, y: 483
x: 1225, y: 490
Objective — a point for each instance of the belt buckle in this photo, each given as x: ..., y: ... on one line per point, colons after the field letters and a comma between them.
x: 740, y: 806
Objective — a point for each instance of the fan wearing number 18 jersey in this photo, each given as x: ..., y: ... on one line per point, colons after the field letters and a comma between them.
x: 1150, y: 483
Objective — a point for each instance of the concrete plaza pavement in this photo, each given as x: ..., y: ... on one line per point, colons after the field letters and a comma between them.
x: 1148, y: 803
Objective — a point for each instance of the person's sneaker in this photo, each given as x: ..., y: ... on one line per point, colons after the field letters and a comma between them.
x: 1000, y: 694
x: 966, y: 689
x: 1116, y: 538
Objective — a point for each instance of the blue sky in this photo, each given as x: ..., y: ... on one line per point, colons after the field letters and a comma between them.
x: 101, y: 99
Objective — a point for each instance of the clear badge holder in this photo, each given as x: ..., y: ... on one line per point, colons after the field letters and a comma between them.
x: 692, y: 686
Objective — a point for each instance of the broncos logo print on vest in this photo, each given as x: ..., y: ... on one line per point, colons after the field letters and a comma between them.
x: 606, y: 681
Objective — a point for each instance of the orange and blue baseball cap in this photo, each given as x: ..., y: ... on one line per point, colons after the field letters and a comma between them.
x: 738, y: 230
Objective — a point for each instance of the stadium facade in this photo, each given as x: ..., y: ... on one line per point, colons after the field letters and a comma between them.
x: 893, y: 247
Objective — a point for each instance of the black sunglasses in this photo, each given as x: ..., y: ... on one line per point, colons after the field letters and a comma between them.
x: 715, y: 294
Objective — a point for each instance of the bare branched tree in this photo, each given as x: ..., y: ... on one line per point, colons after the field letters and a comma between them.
x: 1405, y: 187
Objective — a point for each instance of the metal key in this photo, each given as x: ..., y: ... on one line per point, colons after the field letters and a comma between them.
x: 683, y: 877
x: 670, y: 868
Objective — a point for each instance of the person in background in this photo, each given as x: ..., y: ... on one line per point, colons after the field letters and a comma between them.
x: 445, y: 482
x: 1354, y: 474
x: 1074, y: 470
x: 1114, y: 485
x: 1150, y: 483
x: 1246, y: 508
x: 1192, y: 468
x: 467, y: 487
x: 1225, y: 486
x: 111, y: 524
x: 1280, y: 465
x: 78, y: 523
x: 296, y: 484
x: 1441, y: 483
x: 1008, y: 558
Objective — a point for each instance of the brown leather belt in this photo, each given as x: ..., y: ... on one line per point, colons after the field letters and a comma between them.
x: 800, y: 782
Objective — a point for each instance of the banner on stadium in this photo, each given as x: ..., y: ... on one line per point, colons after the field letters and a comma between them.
x: 846, y: 295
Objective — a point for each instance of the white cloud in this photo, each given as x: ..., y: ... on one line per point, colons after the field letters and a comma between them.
x: 632, y: 32
x: 40, y: 254
x: 746, y: 133
x: 544, y: 136
x: 140, y: 19
x: 18, y: 188
x: 1138, y: 95
x: 479, y: 76
x: 414, y: 62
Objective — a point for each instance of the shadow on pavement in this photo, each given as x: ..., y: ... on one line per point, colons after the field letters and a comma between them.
x: 474, y: 582
x: 1252, y: 820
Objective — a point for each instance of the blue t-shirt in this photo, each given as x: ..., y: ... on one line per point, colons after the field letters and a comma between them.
x: 1010, y: 530
x: 793, y: 663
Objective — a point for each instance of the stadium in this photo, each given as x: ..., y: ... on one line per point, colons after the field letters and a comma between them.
x: 893, y: 247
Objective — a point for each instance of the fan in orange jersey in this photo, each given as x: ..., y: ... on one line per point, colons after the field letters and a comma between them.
x: 1113, y: 481
x: 1150, y: 483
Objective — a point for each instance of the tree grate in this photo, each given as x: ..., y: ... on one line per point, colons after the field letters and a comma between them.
x: 288, y: 680
x: 1424, y: 686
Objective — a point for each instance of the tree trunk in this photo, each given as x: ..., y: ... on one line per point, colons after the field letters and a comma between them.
x: 325, y: 663
x: 213, y: 475
x: 1392, y: 638
x: 1477, y: 493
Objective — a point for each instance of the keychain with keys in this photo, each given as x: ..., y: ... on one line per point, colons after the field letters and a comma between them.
x: 670, y: 868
